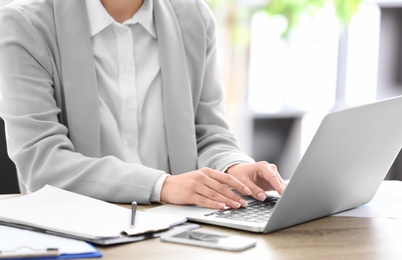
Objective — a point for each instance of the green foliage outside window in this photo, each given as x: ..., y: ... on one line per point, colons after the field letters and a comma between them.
x: 291, y: 10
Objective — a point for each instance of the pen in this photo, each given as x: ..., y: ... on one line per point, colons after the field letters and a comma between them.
x: 140, y: 230
x: 133, y: 213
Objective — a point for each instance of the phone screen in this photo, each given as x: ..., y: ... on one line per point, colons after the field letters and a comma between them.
x: 200, y: 236
x: 212, y: 240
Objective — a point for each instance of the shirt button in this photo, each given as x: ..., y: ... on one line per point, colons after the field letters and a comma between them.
x: 130, y: 107
x: 128, y: 69
x: 131, y: 142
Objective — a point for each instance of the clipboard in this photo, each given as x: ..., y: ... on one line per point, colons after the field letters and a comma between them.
x: 24, y: 244
x: 58, y: 212
x: 28, y: 252
x: 49, y: 253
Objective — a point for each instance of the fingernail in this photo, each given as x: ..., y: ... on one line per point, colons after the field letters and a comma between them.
x: 236, y: 205
x: 222, y: 205
x: 261, y: 196
x: 243, y: 203
x: 247, y: 191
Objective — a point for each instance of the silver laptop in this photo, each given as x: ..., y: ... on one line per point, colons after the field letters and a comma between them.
x: 344, y: 165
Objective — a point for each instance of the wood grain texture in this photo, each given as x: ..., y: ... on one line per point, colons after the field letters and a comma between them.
x: 326, y: 238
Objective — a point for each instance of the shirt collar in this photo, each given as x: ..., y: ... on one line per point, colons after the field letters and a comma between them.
x: 99, y: 18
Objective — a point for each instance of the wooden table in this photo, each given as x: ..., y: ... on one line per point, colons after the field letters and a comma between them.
x: 326, y: 238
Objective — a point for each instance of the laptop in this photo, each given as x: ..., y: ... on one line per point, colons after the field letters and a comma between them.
x: 342, y: 168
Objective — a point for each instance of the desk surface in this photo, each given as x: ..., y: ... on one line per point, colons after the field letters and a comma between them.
x: 326, y: 238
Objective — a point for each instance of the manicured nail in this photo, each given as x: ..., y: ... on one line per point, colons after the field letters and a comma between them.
x: 222, y: 205
x: 247, y: 191
x: 261, y: 196
x: 236, y: 205
x: 243, y: 203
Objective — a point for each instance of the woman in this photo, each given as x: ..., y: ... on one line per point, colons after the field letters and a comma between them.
x: 121, y: 100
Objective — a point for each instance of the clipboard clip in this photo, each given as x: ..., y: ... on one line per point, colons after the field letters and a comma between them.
x: 26, y: 251
x: 135, y: 230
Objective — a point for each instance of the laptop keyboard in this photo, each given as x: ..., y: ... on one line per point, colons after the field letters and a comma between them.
x: 256, y: 211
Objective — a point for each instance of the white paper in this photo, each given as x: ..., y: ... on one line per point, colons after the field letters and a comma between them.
x: 58, y: 210
x: 387, y: 203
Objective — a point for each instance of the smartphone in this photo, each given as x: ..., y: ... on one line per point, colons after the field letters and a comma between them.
x: 208, y: 239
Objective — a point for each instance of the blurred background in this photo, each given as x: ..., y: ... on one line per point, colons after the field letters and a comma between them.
x: 287, y: 63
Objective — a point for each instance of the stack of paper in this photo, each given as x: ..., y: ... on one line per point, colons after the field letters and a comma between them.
x: 60, y: 212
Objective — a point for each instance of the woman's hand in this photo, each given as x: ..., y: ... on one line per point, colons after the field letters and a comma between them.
x: 259, y: 177
x: 205, y: 187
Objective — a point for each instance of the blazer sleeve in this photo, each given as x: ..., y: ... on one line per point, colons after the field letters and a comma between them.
x: 36, y: 141
x: 217, y: 147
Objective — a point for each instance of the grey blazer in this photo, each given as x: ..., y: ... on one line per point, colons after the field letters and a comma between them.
x: 49, y: 99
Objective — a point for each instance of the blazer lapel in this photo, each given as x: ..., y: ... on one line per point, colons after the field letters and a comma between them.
x: 78, y: 75
x: 177, y: 97
x: 80, y: 92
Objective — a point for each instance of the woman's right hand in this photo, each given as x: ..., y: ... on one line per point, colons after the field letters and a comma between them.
x: 204, y: 187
